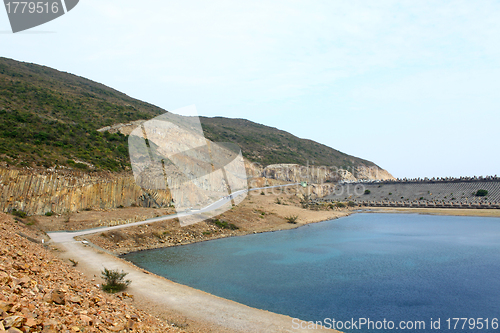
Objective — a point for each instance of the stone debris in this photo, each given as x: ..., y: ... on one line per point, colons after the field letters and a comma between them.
x: 41, y: 293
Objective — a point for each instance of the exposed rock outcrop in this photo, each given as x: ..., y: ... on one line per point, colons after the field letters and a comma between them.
x: 37, y: 192
x: 323, y: 174
x: 124, y: 129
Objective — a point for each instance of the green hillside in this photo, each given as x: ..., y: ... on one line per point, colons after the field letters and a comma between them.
x: 51, y: 118
x: 268, y: 145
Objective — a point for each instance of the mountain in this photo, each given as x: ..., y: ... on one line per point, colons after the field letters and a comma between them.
x: 268, y: 145
x: 51, y: 118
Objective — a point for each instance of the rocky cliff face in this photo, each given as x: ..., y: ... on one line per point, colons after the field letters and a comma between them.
x: 322, y: 174
x: 37, y: 192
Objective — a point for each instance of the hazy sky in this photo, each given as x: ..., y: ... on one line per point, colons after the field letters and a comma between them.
x: 412, y: 85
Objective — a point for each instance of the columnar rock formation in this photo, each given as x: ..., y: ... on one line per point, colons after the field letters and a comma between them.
x: 37, y: 192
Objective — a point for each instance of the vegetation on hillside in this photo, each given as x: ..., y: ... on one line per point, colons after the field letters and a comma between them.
x: 51, y: 118
x: 268, y: 145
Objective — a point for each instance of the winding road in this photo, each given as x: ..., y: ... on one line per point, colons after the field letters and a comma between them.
x: 68, y: 236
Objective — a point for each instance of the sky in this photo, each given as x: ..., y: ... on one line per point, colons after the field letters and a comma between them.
x: 413, y: 86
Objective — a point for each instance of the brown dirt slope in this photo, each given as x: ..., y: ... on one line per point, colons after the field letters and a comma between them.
x: 257, y: 213
x: 41, y: 293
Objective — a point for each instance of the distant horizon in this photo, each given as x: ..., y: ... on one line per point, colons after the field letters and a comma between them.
x: 410, y: 86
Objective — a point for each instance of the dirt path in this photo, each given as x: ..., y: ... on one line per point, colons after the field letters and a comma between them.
x: 192, y: 309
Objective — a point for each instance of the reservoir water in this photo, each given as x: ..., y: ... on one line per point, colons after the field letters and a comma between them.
x: 397, y: 267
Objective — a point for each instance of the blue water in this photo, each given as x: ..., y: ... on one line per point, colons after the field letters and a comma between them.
x: 398, y: 267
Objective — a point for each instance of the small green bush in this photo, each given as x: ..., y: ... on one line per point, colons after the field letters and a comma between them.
x: 340, y: 204
x: 49, y: 214
x: 19, y: 213
x: 225, y: 225
x: 292, y: 219
x: 481, y: 193
x: 367, y: 192
x: 114, y: 281
x: 351, y: 204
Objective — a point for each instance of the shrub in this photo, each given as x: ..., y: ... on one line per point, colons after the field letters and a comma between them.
x: 114, y: 281
x: 367, y: 192
x: 351, y: 204
x: 481, y: 193
x: 340, y: 204
x: 390, y: 193
x: 292, y: 219
x: 225, y: 225
x: 262, y: 193
x: 49, y: 214
x: 278, y: 201
x: 73, y: 262
x: 19, y: 213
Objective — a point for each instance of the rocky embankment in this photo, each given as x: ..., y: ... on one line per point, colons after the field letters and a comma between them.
x: 41, y: 293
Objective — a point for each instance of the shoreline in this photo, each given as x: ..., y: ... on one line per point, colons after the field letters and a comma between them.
x: 241, y: 234
x: 435, y: 211
x: 370, y: 210
x: 256, y: 214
